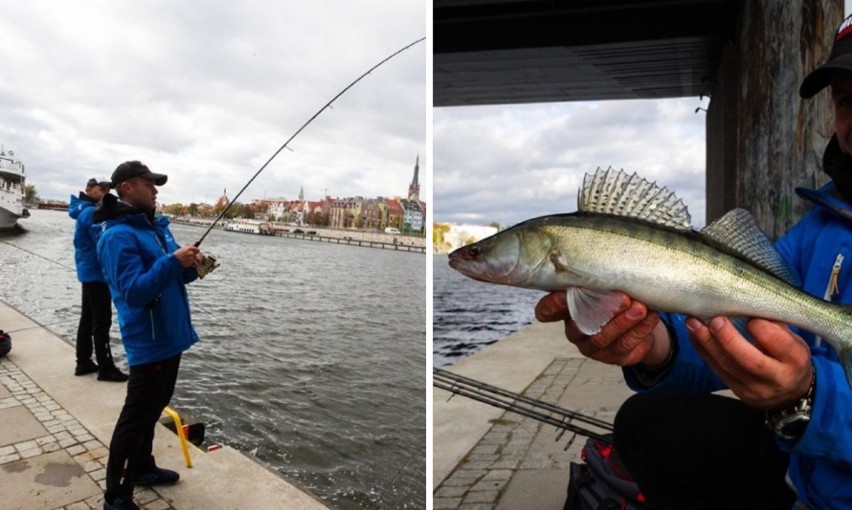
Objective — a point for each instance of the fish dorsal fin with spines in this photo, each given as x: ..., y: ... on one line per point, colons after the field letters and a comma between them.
x: 737, y: 233
x: 617, y: 193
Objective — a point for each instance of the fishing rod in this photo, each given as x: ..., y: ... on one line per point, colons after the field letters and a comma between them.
x: 398, y: 472
x: 70, y: 269
x: 327, y: 105
x: 44, y: 326
x: 39, y: 256
x: 550, y: 414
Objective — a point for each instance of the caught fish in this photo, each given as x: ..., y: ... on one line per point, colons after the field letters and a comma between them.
x: 632, y: 236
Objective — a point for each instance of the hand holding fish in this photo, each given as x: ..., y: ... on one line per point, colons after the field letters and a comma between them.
x: 773, y: 373
x: 634, y: 336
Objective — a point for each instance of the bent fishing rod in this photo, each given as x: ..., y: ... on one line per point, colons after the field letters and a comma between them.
x: 317, y: 114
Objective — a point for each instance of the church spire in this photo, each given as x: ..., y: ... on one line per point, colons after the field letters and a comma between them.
x: 414, y: 187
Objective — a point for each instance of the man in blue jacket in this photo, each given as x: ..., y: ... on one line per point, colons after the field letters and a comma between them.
x: 96, y: 313
x: 786, y: 442
x: 147, y: 273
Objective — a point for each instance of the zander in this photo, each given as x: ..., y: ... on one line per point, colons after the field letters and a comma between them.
x: 632, y: 236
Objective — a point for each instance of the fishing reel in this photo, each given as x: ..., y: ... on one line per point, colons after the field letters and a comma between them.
x: 207, y: 265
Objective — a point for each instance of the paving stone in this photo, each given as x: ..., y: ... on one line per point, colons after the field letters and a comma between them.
x: 450, y: 492
x: 489, y: 485
x: 489, y: 496
x: 4, y: 459
x: 470, y: 473
x: 157, y: 505
x: 505, y: 463
x: 26, y: 445
x: 75, y: 450
x: 457, y: 482
x: 27, y: 454
x: 65, y: 443
x: 478, y: 464
x: 476, y: 506
x: 484, y: 449
x: 498, y: 474
x: 445, y: 503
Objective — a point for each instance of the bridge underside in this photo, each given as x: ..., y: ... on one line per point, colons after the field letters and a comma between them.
x: 527, y: 51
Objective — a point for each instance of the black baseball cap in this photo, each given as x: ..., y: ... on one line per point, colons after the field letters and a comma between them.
x: 130, y: 169
x: 840, y: 59
x: 91, y: 183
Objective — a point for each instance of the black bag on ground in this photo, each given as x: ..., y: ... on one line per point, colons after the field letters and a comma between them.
x: 602, y: 482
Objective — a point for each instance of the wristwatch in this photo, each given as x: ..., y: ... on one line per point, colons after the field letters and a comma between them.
x: 790, y: 423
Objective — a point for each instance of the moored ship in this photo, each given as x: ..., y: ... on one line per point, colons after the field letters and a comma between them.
x: 250, y: 227
x: 12, y: 191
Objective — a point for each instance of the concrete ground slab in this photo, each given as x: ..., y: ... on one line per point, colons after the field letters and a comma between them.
x: 26, y: 426
x: 525, y: 486
x: 48, y: 481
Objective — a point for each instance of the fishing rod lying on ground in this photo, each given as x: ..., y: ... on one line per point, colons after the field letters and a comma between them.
x: 536, y: 409
x: 209, y: 262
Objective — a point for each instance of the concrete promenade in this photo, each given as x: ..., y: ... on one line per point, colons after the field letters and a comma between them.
x: 486, y: 458
x: 55, y: 429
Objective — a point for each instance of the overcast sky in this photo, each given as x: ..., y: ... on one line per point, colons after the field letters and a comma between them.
x: 506, y: 164
x: 206, y: 91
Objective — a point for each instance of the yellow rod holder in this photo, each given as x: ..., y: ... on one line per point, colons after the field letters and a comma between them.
x: 179, y: 426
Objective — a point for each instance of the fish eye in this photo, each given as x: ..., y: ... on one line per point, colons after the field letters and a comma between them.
x: 475, y: 250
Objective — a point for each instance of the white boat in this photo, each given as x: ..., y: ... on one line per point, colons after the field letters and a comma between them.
x: 249, y: 227
x: 12, y: 191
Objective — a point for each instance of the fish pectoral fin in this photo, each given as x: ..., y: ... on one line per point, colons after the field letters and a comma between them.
x: 559, y: 262
x: 591, y: 309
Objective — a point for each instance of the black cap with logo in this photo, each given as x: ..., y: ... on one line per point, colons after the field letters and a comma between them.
x: 840, y: 59
x: 130, y: 169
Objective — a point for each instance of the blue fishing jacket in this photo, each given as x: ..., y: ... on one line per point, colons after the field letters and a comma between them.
x: 821, y: 460
x: 147, y: 282
x: 85, y: 249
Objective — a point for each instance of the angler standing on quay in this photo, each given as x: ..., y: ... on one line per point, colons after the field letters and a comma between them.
x: 147, y: 273
x: 96, y: 308
x: 788, y: 439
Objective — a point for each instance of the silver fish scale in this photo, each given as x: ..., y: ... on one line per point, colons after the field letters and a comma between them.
x: 676, y: 271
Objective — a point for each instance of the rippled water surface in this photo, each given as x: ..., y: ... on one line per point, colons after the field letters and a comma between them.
x: 312, y: 355
x: 469, y: 315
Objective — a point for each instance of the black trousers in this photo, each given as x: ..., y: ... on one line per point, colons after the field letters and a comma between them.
x: 149, y: 390
x: 95, y: 321
x: 701, y: 452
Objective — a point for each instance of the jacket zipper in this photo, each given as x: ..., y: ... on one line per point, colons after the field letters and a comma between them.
x: 832, y: 288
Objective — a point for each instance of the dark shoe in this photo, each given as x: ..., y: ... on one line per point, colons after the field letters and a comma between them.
x: 112, y: 374
x: 85, y: 367
x: 157, y: 476
x: 121, y: 504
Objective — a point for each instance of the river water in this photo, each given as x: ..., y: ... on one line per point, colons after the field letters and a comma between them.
x: 312, y: 355
x: 469, y: 315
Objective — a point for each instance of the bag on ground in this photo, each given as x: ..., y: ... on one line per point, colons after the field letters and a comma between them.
x: 601, y: 482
